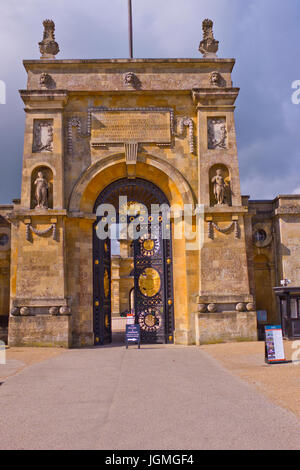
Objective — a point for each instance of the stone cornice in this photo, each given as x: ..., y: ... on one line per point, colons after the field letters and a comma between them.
x: 224, y: 209
x: 69, y: 63
x: 42, y: 302
x: 82, y: 215
x: 283, y: 211
x: 47, y: 213
x: 282, y: 205
x: 42, y: 213
x: 44, y: 99
x: 214, y: 97
x: 6, y: 207
x: 204, y: 297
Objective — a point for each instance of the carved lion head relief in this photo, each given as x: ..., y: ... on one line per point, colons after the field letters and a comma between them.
x: 130, y: 79
x: 216, y: 79
x: 46, y: 81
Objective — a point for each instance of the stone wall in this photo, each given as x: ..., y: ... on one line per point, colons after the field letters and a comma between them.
x: 287, y: 211
x: 40, y: 330
x: 273, y: 249
x: 5, y: 251
x: 263, y: 247
x: 225, y: 327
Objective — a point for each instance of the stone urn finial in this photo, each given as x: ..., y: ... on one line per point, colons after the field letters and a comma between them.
x: 208, y: 46
x: 48, y: 46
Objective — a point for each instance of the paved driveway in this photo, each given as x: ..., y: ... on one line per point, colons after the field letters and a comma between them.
x: 159, y: 397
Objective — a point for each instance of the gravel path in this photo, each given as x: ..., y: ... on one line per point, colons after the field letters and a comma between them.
x: 159, y: 397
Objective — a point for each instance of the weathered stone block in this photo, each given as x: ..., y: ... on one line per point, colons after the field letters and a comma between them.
x: 40, y: 330
x: 225, y: 327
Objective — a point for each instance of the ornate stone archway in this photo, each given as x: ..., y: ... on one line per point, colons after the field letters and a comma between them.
x: 81, y: 205
x: 109, y: 169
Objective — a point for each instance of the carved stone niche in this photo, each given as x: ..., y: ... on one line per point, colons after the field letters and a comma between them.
x: 220, y: 191
x: 42, y: 135
x: 216, y: 133
x: 46, y: 187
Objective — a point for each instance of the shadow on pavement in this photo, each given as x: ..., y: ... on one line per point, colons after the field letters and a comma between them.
x: 118, y: 341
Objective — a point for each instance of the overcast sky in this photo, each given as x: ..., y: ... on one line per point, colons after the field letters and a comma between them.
x: 263, y: 35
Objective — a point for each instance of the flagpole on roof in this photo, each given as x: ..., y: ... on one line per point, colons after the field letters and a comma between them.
x: 130, y: 29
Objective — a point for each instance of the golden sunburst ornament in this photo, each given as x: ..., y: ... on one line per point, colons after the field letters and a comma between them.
x: 149, y: 282
x: 149, y: 246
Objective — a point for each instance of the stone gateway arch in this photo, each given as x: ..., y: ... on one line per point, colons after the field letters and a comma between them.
x: 165, y: 129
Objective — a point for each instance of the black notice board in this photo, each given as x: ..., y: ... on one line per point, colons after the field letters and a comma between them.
x: 133, y: 335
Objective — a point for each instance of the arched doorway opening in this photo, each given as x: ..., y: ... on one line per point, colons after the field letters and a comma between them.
x: 140, y: 207
x: 265, y: 299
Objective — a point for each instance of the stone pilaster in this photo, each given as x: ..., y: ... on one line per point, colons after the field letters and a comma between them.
x: 223, y: 279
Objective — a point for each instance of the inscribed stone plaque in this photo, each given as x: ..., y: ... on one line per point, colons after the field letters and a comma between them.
x: 118, y: 127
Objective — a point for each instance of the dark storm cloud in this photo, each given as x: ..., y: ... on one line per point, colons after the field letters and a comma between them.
x: 261, y: 34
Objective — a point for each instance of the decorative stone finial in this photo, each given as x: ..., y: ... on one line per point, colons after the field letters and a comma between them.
x: 48, y: 46
x: 208, y: 46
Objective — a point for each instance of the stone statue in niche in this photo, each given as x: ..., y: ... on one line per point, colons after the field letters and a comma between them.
x: 221, y: 189
x: 217, y: 134
x: 41, y: 191
x: 43, y: 136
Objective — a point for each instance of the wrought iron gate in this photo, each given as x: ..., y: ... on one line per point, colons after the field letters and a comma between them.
x: 152, y: 275
x: 153, y: 286
x: 102, y: 291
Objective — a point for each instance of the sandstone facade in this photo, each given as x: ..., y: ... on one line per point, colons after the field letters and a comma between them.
x: 184, y: 142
